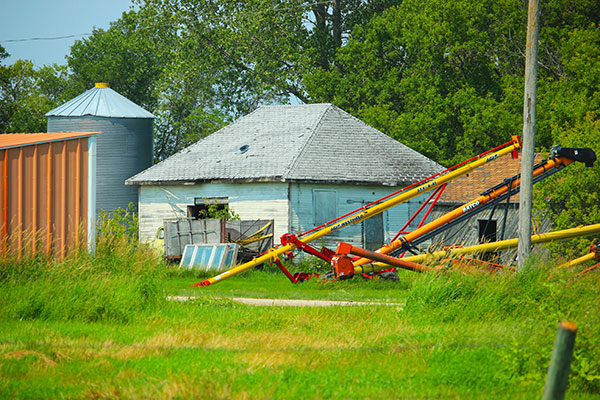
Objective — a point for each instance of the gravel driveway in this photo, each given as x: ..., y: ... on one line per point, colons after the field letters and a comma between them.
x: 292, y: 302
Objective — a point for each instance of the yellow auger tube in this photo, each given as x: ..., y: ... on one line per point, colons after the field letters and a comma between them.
x: 464, y: 209
x: 577, y: 261
x: 490, y: 247
x: 367, y: 213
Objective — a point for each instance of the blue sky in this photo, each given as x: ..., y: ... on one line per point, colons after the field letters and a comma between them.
x: 24, y: 19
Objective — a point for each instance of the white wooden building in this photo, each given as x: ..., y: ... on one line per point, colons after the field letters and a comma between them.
x: 301, y: 165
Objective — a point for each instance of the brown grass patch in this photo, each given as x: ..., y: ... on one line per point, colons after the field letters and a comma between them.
x: 104, y: 391
x: 267, y: 359
x: 19, y: 354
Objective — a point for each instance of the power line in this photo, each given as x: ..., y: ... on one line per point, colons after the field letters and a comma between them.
x: 276, y: 10
x: 45, y: 38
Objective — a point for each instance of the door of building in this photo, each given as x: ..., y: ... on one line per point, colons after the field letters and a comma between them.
x: 373, y: 235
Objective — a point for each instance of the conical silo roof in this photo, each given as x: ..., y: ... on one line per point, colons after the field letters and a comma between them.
x: 100, y: 101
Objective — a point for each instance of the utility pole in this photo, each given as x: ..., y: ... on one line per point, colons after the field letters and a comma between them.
x: 529, y: 104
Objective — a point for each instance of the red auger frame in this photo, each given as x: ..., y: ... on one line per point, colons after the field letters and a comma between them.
x: 434, y: 182
x: 344, y: 267
x: 593, y: 254
x: 560, y: 158
x: 595, y: 250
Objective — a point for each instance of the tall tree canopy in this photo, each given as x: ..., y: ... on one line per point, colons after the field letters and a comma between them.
x: 198, y: 64
x: 445, y: 78
x: 572, y: 197
x: 26, y: 94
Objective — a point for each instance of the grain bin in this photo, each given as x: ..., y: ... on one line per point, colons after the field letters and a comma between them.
x: 124, y: 146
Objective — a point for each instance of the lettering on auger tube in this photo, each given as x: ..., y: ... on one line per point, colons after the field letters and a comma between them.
x: 348, y: 222
x: 471, y: 206
x: 376, y: 207
x: 425, y: 187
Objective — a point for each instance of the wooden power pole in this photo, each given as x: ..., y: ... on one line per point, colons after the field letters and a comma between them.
x: 529, y: 104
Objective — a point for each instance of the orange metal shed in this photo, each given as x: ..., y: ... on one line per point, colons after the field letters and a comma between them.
x: 47, y: 191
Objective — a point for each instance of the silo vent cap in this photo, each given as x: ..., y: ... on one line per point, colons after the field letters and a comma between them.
x: 101, y: 84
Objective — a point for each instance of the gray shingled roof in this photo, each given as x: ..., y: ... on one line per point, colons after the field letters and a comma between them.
x: 100, y: 101
x: 304, y: 143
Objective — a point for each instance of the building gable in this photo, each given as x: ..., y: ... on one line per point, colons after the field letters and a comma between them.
x: 309, y: 143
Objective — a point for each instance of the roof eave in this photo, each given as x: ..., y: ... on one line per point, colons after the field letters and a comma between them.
x: 190, y: 182
x: 151, y: 116
x: 348, y: 182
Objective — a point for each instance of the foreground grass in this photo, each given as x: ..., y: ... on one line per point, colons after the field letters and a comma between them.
x: 457, y: 336
x: 272, y: 284
x: 242, y: 352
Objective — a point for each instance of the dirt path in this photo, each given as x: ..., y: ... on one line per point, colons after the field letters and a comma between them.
x: 292, y: 302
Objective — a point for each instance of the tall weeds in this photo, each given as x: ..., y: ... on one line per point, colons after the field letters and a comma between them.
x: 115, y: 283
x: 534, y: 301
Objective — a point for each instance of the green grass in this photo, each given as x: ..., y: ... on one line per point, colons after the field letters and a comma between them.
x: 218, y: 351
x: 273, y: 284
x: 99, y: 327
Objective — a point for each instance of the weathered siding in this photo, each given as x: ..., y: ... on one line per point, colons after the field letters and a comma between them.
x: 250, y: 200
x: 270, y: 201
x: 466, y: 233
x: 348, y: 198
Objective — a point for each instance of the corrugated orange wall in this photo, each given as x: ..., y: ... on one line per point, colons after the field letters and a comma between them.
x: 43, y: 200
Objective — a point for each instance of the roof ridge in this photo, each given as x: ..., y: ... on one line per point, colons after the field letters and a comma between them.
x: 296, y: 159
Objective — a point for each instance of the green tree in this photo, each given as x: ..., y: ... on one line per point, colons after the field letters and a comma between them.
x: 130, y: 55
x: 572, y: 197
x: 428, y: 74
x: 198, y: 64
x: 26, y: 94
x: 446, y: 77
x: 259, y: 51
x: 185, y: 111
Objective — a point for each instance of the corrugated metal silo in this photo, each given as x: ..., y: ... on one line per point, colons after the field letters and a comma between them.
x: 124, y: 146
